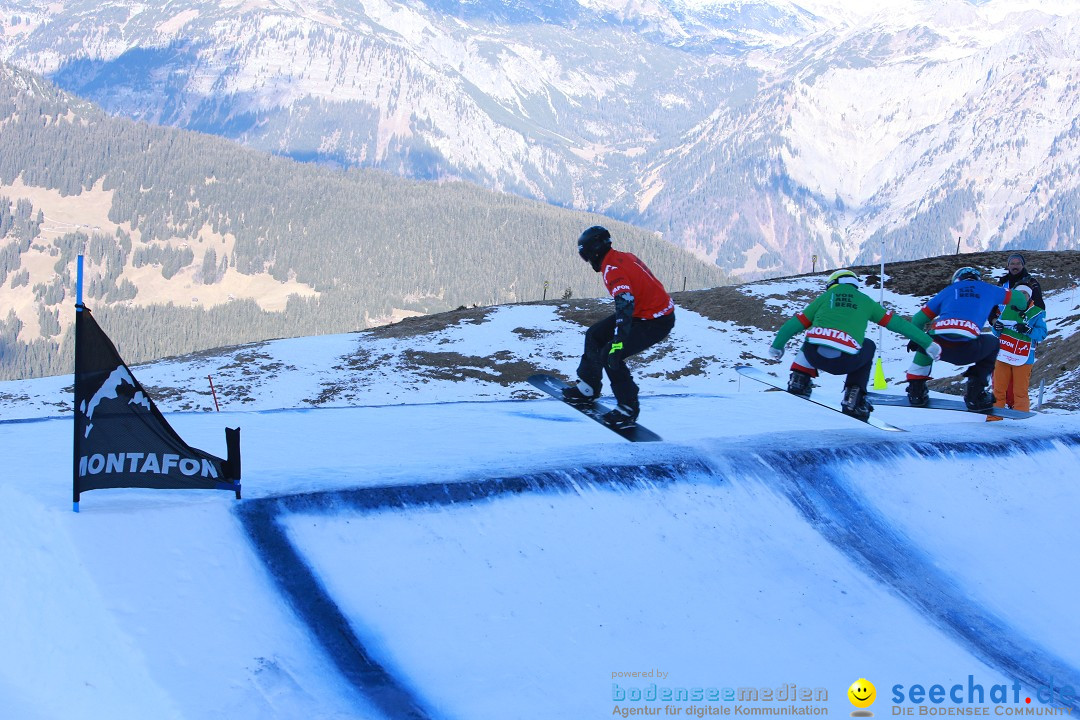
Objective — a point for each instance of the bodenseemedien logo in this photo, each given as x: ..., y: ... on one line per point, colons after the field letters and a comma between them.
x: 862, y: 694
x: 700, y: 701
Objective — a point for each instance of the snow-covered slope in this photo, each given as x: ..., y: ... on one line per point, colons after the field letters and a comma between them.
x: 422, y: 536
x: 487, y: 352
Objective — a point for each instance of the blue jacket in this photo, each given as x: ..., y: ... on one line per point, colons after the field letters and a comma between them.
x: 960, y: 310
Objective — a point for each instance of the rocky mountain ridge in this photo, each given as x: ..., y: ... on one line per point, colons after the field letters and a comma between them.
x: 757, y: 134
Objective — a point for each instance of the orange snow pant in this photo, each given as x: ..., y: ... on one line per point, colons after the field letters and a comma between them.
x: 1015, y: 378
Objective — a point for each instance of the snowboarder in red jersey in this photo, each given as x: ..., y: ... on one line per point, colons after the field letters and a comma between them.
x: 644, y: 315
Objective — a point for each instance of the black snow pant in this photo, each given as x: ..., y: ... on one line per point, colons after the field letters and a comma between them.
x: 856, y: 366
x: 980, y: 353
x: 643, y: 335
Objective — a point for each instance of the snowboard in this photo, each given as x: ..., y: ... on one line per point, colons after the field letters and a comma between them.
x: 553, y: 386
x: 877, y: 398
x: 763, y: 377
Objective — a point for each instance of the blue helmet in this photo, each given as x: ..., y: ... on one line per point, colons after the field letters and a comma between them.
x: 966, y: 273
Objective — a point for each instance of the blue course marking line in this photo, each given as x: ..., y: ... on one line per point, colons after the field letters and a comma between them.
x: 308, y: 597
x: 812, y: 482
x: 809, y: 478
x: 323, y: 617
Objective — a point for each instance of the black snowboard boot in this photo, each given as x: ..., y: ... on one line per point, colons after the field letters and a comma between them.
x: 977, y: 397
x: 855, y: 403
x: 800, y: 384
x: 623, y: 416
x: 574, y: 395
x: 917, y: 394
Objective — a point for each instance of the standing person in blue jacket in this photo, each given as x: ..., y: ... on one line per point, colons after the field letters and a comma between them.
x: 1019, y: 333
x: 956, y: 316
x: 1017, y: 275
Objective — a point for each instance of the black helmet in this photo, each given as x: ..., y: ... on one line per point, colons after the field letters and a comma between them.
x: 593, y: 244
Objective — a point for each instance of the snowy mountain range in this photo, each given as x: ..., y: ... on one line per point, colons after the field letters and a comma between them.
x: 758, y: 134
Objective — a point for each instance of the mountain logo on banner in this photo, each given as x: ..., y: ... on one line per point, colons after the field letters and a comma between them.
x: 119, y: 385
x: 122, y: 439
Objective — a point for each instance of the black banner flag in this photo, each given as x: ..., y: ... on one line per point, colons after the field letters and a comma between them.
x: 121, y: 439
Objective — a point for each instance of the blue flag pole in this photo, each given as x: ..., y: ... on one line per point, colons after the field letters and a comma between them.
x: 75, y: 448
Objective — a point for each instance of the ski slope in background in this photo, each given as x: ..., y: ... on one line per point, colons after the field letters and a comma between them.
x: 455, y: 548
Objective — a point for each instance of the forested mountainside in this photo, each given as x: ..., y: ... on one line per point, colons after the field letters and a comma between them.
x: 193, y: 242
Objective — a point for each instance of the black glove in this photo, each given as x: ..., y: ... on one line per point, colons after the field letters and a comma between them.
x: 913, y: 346
x: 998, y: 326
x: 1022, y: 327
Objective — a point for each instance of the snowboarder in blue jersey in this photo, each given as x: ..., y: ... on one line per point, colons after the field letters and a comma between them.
x: 956, y: 316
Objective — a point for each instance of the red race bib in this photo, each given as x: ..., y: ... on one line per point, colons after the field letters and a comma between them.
x: 1013, y: 351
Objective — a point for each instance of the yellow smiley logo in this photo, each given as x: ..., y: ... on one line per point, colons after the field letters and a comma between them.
x: 862, y: 693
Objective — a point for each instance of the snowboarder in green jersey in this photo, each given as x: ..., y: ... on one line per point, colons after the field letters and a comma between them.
x: 836, y: 343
